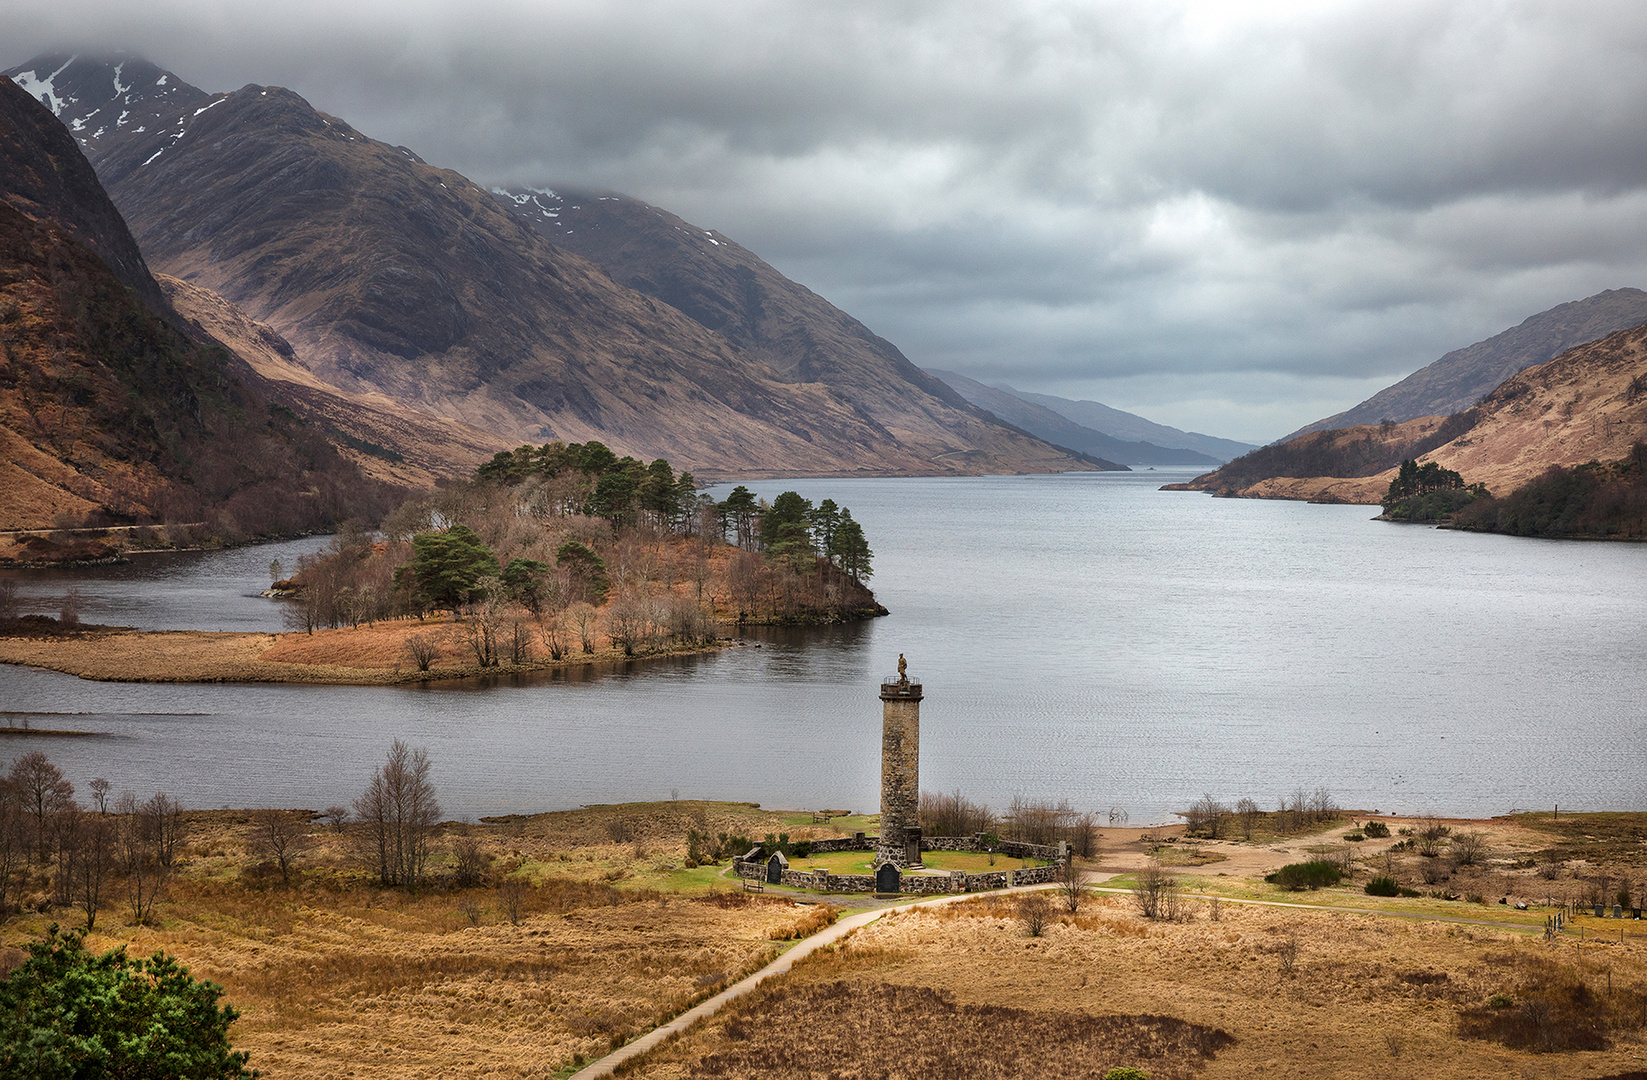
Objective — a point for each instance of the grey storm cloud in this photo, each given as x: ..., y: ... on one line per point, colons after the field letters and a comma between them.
x: 1236, y: 218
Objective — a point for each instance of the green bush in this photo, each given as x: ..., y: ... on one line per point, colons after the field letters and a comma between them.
x: 1383, y: 885
x: 1500, y: 1001
x: 1376, y: 829
x: 67, y: 1013
x: 1404, y: 891
x: 1354, y: 837
x: 1126, y: 1072
x: 1315, y: 874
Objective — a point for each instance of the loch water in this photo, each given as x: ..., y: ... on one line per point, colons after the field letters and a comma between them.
x: 1079, y: 636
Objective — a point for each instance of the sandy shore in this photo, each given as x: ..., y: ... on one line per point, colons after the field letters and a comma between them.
x: 363, y: 656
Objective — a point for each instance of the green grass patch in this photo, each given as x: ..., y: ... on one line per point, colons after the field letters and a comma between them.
x: 860, y: 862
x: 1351, y: 897
x: 837, y: 862
x: 973, y: 862
x: 692, y: 882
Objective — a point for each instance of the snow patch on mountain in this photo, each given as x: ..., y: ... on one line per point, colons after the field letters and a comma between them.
x: 42, y: 89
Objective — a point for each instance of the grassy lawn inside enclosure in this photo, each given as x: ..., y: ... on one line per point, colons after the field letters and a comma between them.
x: 861, y: 862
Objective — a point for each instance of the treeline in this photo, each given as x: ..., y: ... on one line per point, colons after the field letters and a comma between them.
x: 1427, y: 492
x: 1030, y: 821
x: 56, y: 852
x: 1345, y: 452
x: 555, y: 549
x: 1301, y: 810
x: 1593, y: 501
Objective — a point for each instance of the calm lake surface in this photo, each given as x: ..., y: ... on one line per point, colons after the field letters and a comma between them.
x: 1082, y: 636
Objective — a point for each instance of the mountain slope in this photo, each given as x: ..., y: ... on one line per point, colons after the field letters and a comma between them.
x: 1464, y: 376
x: 1062, y: 431
x: 48, y: 178
x: 729, y: 290
x: 1589, y: 404
x: 384, y: 440
x: 1132, y: 428
x: 391, y: 277
x: 103, y: 100
x: 108, y: 410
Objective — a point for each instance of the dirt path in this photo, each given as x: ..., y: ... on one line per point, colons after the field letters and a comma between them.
x: 608, y: 1064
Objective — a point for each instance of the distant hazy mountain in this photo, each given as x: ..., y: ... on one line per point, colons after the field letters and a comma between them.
x: 1062, y: 431
x: 1464, y: 376
x: 388, y: 276
x: 1125, y: 425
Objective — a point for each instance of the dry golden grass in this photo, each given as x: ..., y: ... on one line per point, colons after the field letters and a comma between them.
x: 1303, y: 994
x: 336, y: 977
x: 349, y: 655
x: 370, y: 984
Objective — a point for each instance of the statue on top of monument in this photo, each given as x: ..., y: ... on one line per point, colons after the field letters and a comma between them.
x: 903, y: 669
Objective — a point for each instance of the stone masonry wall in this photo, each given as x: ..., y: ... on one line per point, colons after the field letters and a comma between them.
x: 900, y: 770
x: 1017, y: 850
x: 955, y: 882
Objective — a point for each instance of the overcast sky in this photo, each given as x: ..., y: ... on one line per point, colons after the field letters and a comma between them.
x: 1229, y: 218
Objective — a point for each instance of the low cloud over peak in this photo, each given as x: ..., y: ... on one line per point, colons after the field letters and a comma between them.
x: 1230, y: 220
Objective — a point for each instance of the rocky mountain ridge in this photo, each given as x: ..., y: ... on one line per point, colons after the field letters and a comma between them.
x: 1587, y: 405
x: 1464, y: 376
x: 729, y: 290
x: 109, y: 408
x: 390, y: 277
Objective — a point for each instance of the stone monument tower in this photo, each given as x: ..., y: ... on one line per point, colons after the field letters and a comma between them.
x: 900, y: 842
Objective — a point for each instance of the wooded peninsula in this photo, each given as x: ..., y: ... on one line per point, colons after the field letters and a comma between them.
x: 549, y: 555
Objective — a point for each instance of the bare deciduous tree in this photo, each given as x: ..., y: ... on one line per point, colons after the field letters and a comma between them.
x: 139, y: 862
x: 511, y: 892
x: 1431, y: 836
x: 398, y: 809
x: 163, y: 819
x: 580, y: 618
x: 1206, y: 815
x: 519, y: 642
x: 469, y: 859
x: 336, y: 817
x: 278, y: 835
x: 1469, y: 848
x: 1071, y: 885
x: 1033, y: 913
x: 553, y: 635
x: 42, y: 791
x: 954, y: 815
x: 100, y: 794
x: 95, y: 861
x: 14, y: 841
x: 1247, y: 810
x: 1152, y: 891
x: 64, y: 827
x: 422, y: 650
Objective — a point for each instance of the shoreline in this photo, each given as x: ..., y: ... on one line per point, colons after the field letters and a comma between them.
x: 209, y: 656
